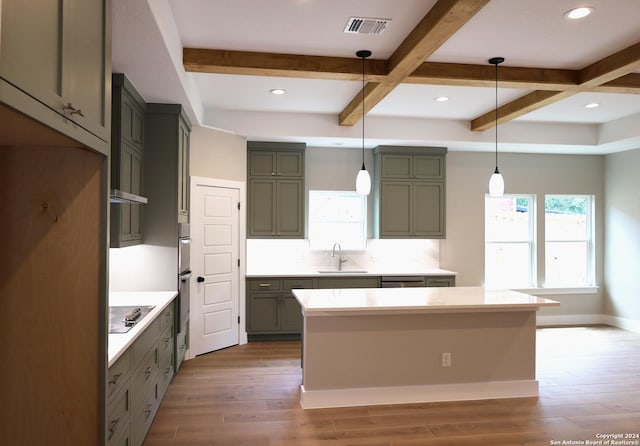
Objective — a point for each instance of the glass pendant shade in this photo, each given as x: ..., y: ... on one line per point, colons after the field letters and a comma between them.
x: 363, y: 182
x: 496, y: 185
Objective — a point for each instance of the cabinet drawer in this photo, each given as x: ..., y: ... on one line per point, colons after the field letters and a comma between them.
x: 348, y: 282
x: 264, y: 285
x: 166, y: 317
x: 440, y: 281
x: 119, y: 415
x: 144, y: 343
x: 118, y: 374
x: 144, y: 375
x: 289, y: 284
x: 165, y: 352
x: 143, y: 416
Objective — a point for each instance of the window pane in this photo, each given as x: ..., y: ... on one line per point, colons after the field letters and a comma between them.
x: 566, y: 218
x: 507, y: 265
x: 566, y: 263
x: 337, y: 216
x: 507, y: 219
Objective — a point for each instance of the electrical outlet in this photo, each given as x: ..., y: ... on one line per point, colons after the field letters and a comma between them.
x: 446, y: 359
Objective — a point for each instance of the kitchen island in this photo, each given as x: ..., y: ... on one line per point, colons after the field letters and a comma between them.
x: 401, y: 345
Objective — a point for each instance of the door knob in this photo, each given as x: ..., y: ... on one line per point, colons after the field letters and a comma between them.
x: 200, y: 279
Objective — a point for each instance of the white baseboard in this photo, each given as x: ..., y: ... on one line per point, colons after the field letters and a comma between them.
x: 317, y: 399
x: 620, y: 322
x: 589, y: 319
x: 570, y: 319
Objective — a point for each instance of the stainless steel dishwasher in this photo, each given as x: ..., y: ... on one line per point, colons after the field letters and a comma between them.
x: 401, y: 281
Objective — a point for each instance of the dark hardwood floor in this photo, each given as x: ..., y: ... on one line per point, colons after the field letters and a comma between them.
x: 249, y: 395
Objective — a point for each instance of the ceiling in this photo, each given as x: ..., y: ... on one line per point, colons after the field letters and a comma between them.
x: 237, y: 51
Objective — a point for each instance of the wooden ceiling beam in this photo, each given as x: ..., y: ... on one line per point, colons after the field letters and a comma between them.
x: 605, y: 70
x: 628, y: 84
x: 442, y: 21
x: 253, y: 63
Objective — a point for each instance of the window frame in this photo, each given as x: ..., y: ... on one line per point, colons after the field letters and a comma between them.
x: 351, y: 245
x: 530, y: 241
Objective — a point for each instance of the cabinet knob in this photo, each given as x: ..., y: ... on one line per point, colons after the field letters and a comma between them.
x: 200, y: 279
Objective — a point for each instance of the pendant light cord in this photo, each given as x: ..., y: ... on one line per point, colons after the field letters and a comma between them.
x: 363, y: 85
x: 496, y: 117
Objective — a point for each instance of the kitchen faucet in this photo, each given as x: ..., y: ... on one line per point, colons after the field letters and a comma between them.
x: 340, y: 259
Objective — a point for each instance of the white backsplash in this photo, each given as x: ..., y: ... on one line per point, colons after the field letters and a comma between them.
x: 392, y: 255
x: 143, y: 268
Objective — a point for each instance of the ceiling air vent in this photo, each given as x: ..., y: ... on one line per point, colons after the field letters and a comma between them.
x: 361, y: 25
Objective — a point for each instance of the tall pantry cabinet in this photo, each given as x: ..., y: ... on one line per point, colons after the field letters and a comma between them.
x: 55, y: 111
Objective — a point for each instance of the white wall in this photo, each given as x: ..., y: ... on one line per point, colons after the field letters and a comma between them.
x: 467, y: 182
x: 217, y: 154
x: 622, y: 238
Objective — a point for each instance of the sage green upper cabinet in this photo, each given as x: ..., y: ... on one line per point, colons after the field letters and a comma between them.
x: 276, y: 190
x: 409, y: 192
x: 55, y: 65
x: 127, y: 159
x: 167, y: 139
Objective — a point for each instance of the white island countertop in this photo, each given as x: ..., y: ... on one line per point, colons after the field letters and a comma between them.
x: 415, y: 300
x: 119, y: 342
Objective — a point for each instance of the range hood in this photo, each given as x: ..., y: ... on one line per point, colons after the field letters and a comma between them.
x: 120, y: 196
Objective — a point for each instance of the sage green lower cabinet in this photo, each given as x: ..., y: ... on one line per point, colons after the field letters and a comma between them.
x: 138, y: 381
x: 271, y: 307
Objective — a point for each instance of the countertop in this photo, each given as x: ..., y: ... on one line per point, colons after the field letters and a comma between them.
x: 119, y: 342
x: 313, y: 271
x: 415, y: 300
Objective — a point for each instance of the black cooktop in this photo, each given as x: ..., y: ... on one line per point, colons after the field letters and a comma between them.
x: 122, y: 319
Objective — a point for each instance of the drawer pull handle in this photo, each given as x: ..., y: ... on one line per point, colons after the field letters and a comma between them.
x: 72, y: 110
x: 113, y: 427
x: 167, y: 371
x: 264, y: 285
x: 147, y: 410
x: 114, y: 379
x: 166, y: 341
x: 147, y: 373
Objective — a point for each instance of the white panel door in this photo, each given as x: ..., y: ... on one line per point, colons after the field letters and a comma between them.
x: 214, y: 254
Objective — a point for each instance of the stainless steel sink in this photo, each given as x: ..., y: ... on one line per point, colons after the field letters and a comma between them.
x: 342, y: 271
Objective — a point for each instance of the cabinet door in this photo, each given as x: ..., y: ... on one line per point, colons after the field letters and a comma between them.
x: 289, y: 164
x: 428, y: 167
x: 263, y: 312
x: 85, y: 67
x: 291, y: 314
x: 262, y: 163
x: 262, y: 205
x: 396, y: 166
x: 31, y: 50
x: 132, y: 123
x: 428, y: 209
x: 440, y: 281
x: 183, y: 173
x: 395, y: 209
x: 290, y: 209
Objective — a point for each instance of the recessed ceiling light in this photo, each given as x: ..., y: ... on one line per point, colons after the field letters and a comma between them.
x: 592, y: 105
x: 277, y: 91
x: 578, y: 13
x: 441, y: 99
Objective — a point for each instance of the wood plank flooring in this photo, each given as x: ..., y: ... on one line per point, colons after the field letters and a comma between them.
x: 249, y: 395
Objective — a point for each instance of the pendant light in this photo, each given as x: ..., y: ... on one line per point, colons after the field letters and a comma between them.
x: 363, y: 180
x: 496, y: 183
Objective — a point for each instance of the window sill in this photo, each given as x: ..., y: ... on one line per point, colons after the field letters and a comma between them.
x: 557, y: 291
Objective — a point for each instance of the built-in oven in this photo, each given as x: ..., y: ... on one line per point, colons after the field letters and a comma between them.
x: 184, y: 274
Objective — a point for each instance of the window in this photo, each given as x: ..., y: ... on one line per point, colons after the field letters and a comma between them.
x: 337, y: 216
x: 509, y: 241
x: 568, y: 240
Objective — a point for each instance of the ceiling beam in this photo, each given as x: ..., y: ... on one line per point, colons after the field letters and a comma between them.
x: 444, y: 19
x: 605, y: 70
x: 248, y: 63
x: 252, y: 63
